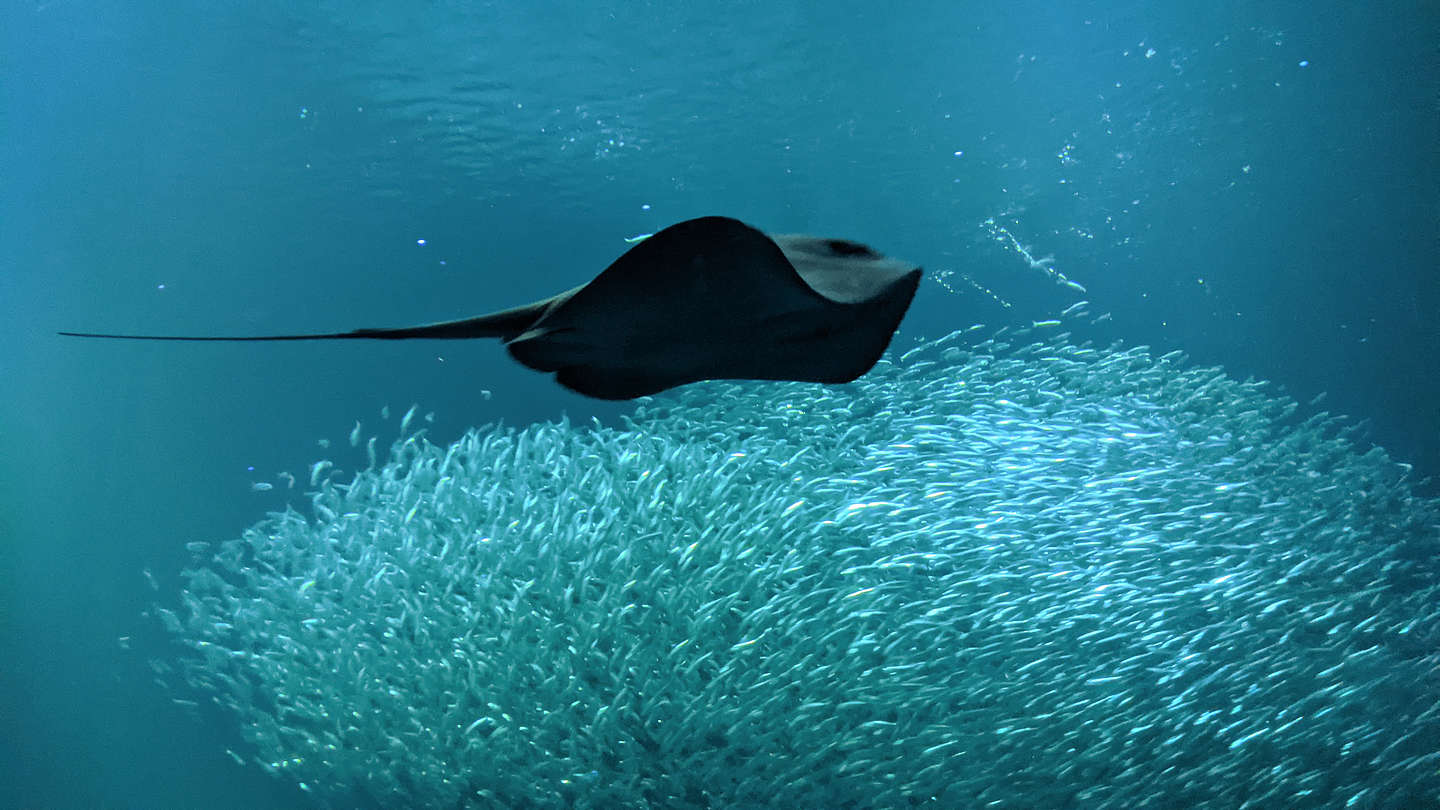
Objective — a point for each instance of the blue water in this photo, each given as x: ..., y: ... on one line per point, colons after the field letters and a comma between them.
x: 1257, y: 185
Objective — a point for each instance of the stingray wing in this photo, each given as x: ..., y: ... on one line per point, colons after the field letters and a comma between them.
x: 718, y: 260
x: 699, y: 279
x: 662, y: 312
x: 709, y: 298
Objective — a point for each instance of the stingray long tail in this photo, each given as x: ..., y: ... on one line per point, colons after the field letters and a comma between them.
x: 504, y: 325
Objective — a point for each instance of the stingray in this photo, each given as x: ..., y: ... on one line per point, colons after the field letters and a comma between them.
x: 705, y: 299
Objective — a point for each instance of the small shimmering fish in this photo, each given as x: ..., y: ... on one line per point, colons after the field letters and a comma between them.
x: 1028, y: 538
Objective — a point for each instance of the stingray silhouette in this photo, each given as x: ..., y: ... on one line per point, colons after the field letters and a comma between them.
x: 704, y: 299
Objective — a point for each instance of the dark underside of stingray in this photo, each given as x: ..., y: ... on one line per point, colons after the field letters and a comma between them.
x: 705, y: 299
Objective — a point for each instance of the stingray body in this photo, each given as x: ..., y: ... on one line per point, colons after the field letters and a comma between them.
x: 709, y: 298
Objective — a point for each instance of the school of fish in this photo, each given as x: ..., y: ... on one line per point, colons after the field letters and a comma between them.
x: 1018, y: 572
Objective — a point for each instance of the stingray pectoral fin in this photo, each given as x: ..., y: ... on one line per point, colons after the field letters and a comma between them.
x: 549, y: 349
x: 693, y: 273
x: 504, y: 324
x: 615, y: 385
x: 583, y: 367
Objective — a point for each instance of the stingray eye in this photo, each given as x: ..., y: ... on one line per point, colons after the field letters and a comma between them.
x: 844, y: 247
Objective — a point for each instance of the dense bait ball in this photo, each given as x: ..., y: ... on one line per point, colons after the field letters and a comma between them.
x: 1037, y: 575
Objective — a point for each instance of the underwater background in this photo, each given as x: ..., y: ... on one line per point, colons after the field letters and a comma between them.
x: 1256, y: 185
